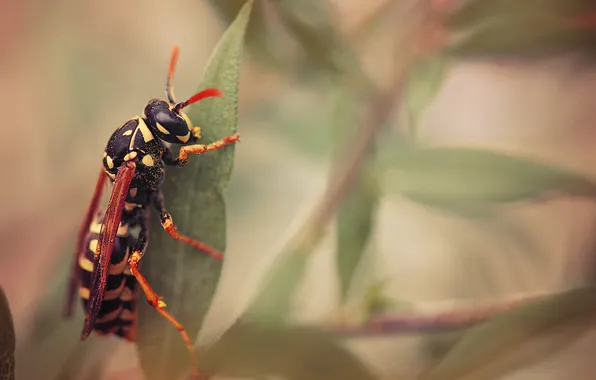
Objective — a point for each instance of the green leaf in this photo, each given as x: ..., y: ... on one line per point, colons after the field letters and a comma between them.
x: 186, y: 278
x: 518, y: 37
x: 532, y: 29
x: 273, y: 303
x: 422, y: 85
x: 467, y: 179
x: 355, y: 216
x: 312, y: 24
x: 479, y: 11
x: 481, y: 352
x: 293, y: 353
x: 257, y: 41
x: 7, y: 339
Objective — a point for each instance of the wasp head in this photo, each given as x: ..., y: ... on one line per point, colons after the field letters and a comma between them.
x: 169, y: 123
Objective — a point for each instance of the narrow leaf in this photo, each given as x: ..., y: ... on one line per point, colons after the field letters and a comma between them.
x: 423, y: 83
x: 272, y: 305
x: 294, y: 353
x: 356, y: 213
x: 312, y: 24
x: 257, y: 40
x: 479, y: 11
x: 486, y: 344
x: 7, y: 340
x: 195, y: 197
x: 458, y: 179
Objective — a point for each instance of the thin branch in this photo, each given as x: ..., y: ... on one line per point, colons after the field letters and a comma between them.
x: 351, y: 160
x: 438, y: 317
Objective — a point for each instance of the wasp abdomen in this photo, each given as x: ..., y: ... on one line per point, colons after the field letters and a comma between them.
x: 118, y: 308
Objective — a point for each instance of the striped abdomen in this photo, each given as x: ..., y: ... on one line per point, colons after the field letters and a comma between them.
x: 117, y: 314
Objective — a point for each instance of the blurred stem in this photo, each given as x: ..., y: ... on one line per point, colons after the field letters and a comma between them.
x: 351, y: 160
x: 438, y: 317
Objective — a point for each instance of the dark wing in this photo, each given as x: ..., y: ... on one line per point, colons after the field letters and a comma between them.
x: 105, y: 246
x: 93, y: 206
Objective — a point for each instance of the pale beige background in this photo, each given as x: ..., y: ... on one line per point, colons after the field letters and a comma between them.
x: 542, y: 110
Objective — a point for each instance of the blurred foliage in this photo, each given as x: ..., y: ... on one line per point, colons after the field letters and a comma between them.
x: 301, y: 39
x: 7, y: 340
x: 422, y: 84
x: 477, y: 354
x: 297, y: 37
x: 195, y: 194
x: 294, y: 353
x: 529, y: 28
x: 467, y: 180
x: 355, y: 215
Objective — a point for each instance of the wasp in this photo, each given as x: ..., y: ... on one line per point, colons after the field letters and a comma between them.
x: 106, y: 262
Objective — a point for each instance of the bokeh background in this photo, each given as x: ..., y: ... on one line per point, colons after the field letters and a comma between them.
x: 73, y: 71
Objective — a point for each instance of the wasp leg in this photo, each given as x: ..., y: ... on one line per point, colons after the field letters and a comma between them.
x: 157, y: 301
x: 168, y: 224
x: 185, y: 150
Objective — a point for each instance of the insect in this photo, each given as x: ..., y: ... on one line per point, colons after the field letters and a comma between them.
x: 106, y: 264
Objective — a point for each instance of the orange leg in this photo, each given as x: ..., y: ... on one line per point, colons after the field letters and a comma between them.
x: 200, y: 149
x: 168, y: 225
x: 158, y: 304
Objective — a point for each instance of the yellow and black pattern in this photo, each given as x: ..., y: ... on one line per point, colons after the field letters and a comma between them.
x: 117, y: 313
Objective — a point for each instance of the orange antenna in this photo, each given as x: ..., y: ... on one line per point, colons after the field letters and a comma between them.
x: 171, y: 70
x: 208, y: 93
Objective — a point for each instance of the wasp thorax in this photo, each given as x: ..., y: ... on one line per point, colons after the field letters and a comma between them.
x: 167, y: 124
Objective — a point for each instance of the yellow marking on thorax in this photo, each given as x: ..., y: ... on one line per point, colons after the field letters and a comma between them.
x: 110, y: 162
x: 130, y: 156
x: 127, y: 133
x: 148, y: 160
x: 147, y: 135
x: 145, y: 131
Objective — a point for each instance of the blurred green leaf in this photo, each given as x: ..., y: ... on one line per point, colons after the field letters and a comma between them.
x: 313, y: 26
x: 294, y: 353
x: 422, y: 85
x: 7, y: 339
x: 355, y: 216
x: 535, y: 28
x: 483, y: 346
x: 376, y: 301
x: 467, y: 179
x: 258, y: 42
x: 516, y: 37
x: 186, y: 278
x: 273, y: 303
x: 480, y: 11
